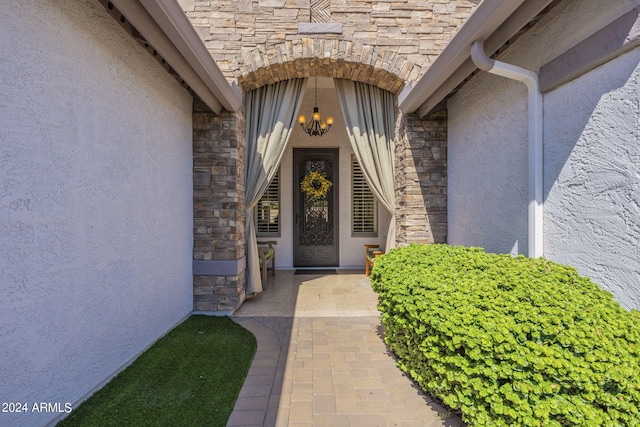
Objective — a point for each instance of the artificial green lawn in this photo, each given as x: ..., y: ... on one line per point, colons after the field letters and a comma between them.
x: 191, y: 376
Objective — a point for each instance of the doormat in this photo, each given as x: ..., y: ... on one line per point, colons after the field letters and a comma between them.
x: 316, y: 271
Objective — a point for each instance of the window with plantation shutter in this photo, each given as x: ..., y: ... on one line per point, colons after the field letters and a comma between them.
x: 267, y: 211
x: 364, y: 208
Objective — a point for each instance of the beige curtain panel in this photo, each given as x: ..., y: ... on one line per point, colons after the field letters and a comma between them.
x: 270, y: 114
x: 369, y: 113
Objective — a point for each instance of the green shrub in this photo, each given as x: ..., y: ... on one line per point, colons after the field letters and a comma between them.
x: 508, y: 340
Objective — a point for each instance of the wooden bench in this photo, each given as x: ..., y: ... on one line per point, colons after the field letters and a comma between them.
x: 371, y: 253
x: 267, y: 254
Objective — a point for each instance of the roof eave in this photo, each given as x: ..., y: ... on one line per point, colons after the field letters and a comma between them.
x: 165, y: 26
x: 172, y: 19
x: 495, y: 21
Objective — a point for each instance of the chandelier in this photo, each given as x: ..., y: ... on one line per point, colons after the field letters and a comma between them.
x: 315, y: 127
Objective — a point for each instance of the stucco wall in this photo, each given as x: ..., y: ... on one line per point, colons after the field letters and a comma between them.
x: 592, y: 217
x: 95, y: 202
x: 487, y: 166
x: 592, y: 176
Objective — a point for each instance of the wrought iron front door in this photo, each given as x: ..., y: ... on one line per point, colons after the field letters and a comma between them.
x: 315, y: 200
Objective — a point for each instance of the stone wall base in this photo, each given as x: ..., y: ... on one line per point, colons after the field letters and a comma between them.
x: 219, y: 214
x: 218, y: 293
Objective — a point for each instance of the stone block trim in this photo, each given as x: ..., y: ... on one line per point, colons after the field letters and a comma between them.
x: 324, y: 57
x: 421, y: 179
x: 320, y: 10
x: 218, y: 209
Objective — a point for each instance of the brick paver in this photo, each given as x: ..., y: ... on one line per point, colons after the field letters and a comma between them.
x: 332, y: 370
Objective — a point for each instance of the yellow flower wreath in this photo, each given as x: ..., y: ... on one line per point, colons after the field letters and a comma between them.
x: 315, y: 185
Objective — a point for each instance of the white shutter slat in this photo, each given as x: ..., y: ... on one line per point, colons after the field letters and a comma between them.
x: 364, y: 208
x: 267, y: 211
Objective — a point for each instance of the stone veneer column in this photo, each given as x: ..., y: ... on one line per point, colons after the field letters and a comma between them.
x: 421, y: 179
x: 219, y: 213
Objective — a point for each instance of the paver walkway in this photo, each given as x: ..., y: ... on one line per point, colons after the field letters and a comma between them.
x: 321, y: 359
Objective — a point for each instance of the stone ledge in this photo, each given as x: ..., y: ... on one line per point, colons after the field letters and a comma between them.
x: 218, y: 267
x: 319, y: 28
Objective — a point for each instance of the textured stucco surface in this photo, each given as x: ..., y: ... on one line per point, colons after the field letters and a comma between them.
x: 95, y: 202
x: 487, y: 166
x: 591, y: 172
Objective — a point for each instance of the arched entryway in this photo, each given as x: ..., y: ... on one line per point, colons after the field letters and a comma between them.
x: 324, y: 57
x: 336, y: 241
x: 365, y: 122
x: 220, y: 262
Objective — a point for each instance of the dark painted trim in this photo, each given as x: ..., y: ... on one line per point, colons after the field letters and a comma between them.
x: 219, y: 267
x: 618, y: 37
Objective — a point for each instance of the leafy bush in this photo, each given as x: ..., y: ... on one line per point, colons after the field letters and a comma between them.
x: 510, y: 340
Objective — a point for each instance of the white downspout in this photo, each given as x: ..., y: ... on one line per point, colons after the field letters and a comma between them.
x: 529, y: 78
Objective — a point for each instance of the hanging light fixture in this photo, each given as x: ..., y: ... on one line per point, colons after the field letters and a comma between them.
x: 315, y: 127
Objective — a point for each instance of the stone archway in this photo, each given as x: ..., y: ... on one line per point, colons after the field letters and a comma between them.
x: 324, y: 57
x: 219, y: 146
